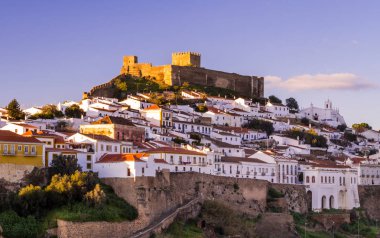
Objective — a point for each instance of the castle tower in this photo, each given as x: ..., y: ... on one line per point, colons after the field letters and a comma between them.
x: 328, y: 104
x: 129, y: 60
x: 186, y: 59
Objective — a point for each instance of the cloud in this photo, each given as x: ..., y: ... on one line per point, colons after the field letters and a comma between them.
x: 337, y: 81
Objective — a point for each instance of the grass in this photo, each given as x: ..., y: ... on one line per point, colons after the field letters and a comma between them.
x: 187, y: 229
x: 115, y: 209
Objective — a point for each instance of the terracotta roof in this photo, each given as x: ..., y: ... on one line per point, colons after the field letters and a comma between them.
x: 241, y: 159
x: 357, y: 160
x: 117, y: 158
x: 10, y: 136
x: 46, y: 134
x: 113, y: 120
x: 153, y: 107
x: 174, y: 150
x: 103, y: 109
x: 25, y: 125
x: 100, y: 137
x: 61, y: 150
x: 160, y: 161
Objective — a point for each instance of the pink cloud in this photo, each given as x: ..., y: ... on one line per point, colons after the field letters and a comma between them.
x: 337, y: 81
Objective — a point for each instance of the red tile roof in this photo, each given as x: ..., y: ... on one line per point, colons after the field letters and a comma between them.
x: 9, y: 136
x: 117, y: 158
x: 173, y: 150
x: 160, y: 161
x: 153, y: 107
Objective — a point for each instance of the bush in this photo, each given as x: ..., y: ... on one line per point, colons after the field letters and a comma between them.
x: 31, y: 200
x: 309, y: 137
x: 72, y: 187
x: 95, y: 197
x: 15, y: 226
x: 262, y: 125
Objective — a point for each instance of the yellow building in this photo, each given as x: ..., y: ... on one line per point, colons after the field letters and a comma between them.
x: 20, y: 150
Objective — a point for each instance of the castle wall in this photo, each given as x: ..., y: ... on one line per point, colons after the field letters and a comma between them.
x: 245, y: 85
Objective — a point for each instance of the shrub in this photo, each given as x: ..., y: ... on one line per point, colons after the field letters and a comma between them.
x: 262, y: 125
x: 15, y: 226
x: 95, y: 197
x: 31, y: 201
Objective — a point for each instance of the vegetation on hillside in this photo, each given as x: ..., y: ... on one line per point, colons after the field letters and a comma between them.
x: 70, y: 195
x: 308, y: 137
x: 261, y: 125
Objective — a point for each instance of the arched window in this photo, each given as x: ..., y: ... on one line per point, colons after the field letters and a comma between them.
x: 329, y: 179
x: 307, y: 179
x: 291, y: 169
x: 287, y: 169
x: 333, y: 179
x: 321, y: 179
x: 313, y: 179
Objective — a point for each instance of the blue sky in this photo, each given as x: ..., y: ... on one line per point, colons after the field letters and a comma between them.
x: 312, y: 50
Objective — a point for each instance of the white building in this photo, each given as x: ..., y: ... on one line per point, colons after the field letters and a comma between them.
x: 327, y: 115
x: 223, y: 118
x: 331, y: 186
x: 277, y: 109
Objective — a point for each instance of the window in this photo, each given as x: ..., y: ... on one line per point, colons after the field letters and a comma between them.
x: 142, y: 170
x: 109, y: 148
x: 19, y: 148
x: 33, y: 149
x: 88, y: 166
x: 129, y: 172
x: 26, y: 149
x: 313, y: 179
x: 115, y: 148
x: 101, y: 147
x: 5, y: 149
x: 12, y: 149
x: 171, y: 159
x: 88, y: 157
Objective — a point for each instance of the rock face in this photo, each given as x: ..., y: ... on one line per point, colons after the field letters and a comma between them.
x: 156, y: 196
x: 165, y: 192
x: 275, y: 225
x: 369, y: 200
x: 295, y: 197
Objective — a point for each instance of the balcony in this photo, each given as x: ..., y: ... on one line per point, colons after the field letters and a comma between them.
x: 263, y: 174
x: 9, y: 153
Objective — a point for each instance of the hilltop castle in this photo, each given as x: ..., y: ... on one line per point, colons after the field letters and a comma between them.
x: 186, y: 67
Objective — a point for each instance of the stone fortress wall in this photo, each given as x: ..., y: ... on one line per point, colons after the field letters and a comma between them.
x: 186, y: 67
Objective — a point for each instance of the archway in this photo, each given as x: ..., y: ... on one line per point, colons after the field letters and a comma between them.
x: 324, y: 202
x: 342, y: 200
x: 331, y: 202
x: 309, y: 196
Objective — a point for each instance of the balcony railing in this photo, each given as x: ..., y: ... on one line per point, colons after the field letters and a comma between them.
x: 9, y: 153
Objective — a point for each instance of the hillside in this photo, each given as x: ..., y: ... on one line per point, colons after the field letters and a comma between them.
x: 123, y: 85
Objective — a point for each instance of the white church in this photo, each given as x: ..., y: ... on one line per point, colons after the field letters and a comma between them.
x: 327, y: 115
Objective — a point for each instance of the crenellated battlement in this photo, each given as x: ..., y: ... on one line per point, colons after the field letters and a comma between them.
x: 186, y: 67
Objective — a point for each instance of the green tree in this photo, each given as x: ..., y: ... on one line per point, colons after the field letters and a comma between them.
x: 64, y: 165
x: 292, y: 104
x: 262, y: 125
x: 74, y: 111
x: 121, y: 85
x: 14, y: 110
x: 361, y: 127
x: 274, y: 99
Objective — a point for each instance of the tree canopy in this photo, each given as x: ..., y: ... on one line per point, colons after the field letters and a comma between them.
x: 292, y: 104
x: 64, y: 165
x: 14, y: 110
x: 262, y: 125
x: 274, y: 99
x: 74, y: 111
x: 361, y: 127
